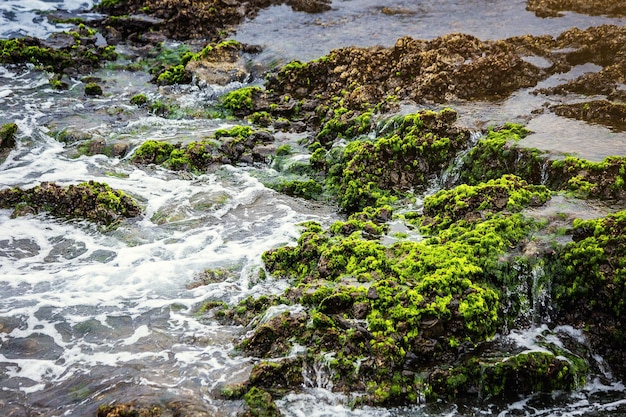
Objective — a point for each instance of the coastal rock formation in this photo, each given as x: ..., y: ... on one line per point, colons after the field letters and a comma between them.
x: 554, y: 8
x: 186, y: 19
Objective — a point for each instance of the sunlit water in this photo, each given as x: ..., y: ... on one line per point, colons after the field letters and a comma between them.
x: 90, y: 316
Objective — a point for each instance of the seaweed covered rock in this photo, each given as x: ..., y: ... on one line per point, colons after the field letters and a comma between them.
x: 604, y: 180
x: 590, y: 285
x: 74, y: 51
x: 554, y: 8
x: 500, y: 152
x: 383, y: 319
x: 91, y: 200
x: 450, y: 66
x: 239, y: 144
x: 340, y: 91
x: 409, y: 151
x: 7, y: 136
x: 510, y: 375
x: 471, y: 203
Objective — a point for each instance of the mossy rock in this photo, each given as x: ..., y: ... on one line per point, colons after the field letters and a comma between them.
x: 307, y: 189
x: 7, y: 136
x: 409, y: 152
x: 424, y: 303
x: 508, y: 377
x: 91, y: 200
x: 73, y: 50
x: 174, y: 75
x: 499, y: 153
x: 237, y: 146
x: 605, y: 179
x: 93, y: 89
x: 471, y: 203
x: 589, y: 285
x: 260, y: 404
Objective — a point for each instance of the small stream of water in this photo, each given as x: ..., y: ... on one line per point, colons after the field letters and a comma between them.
x: 88, y: 317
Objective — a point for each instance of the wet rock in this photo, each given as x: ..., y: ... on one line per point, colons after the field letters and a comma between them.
x: 93, y: 201
x: 553, y: 8
x: 74, y: 52
x: 93, y: 89
x: 601, y: 112
x: 280, y: 375
x: 173, y: 18
x: 271, y: 339
x: 449, y: 67
x: 220, y: 64
x: 589, y: 285
x: 7, y: 136
x: 601, y: 45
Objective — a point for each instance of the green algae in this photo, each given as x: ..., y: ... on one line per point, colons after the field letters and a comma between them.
x: 29, y: 50
x: 174, y: 75
x: 407, y: 154
x: 239, y: 100
x: 591, y: 271
x: 194, y: 157
x: 307, y: 189
x: 260, y: 404
x: 139, y: 99
x: 471, y: 203
x: 419, y: 299
x: 498, y: 153
x: 587, y: 179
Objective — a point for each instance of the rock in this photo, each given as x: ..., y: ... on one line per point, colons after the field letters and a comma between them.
x: 553, y: 8
x: 93, y: 89
x: 7, y: 136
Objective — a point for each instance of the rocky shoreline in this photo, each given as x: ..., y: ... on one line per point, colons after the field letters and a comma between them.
x: 393, y: 319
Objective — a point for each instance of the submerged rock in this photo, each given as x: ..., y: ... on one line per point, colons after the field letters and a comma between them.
x: 601, y: 112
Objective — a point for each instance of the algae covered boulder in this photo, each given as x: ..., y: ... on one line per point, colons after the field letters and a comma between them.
x: 69, y: 52
x: 382, y: 319
x: 7, y: 136
x: 404, y: 156
x: 91, y: 200
x: 590, y: 284
x: 236, y: 145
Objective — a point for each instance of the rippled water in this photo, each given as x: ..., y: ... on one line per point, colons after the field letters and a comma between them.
x: 91, y: 316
